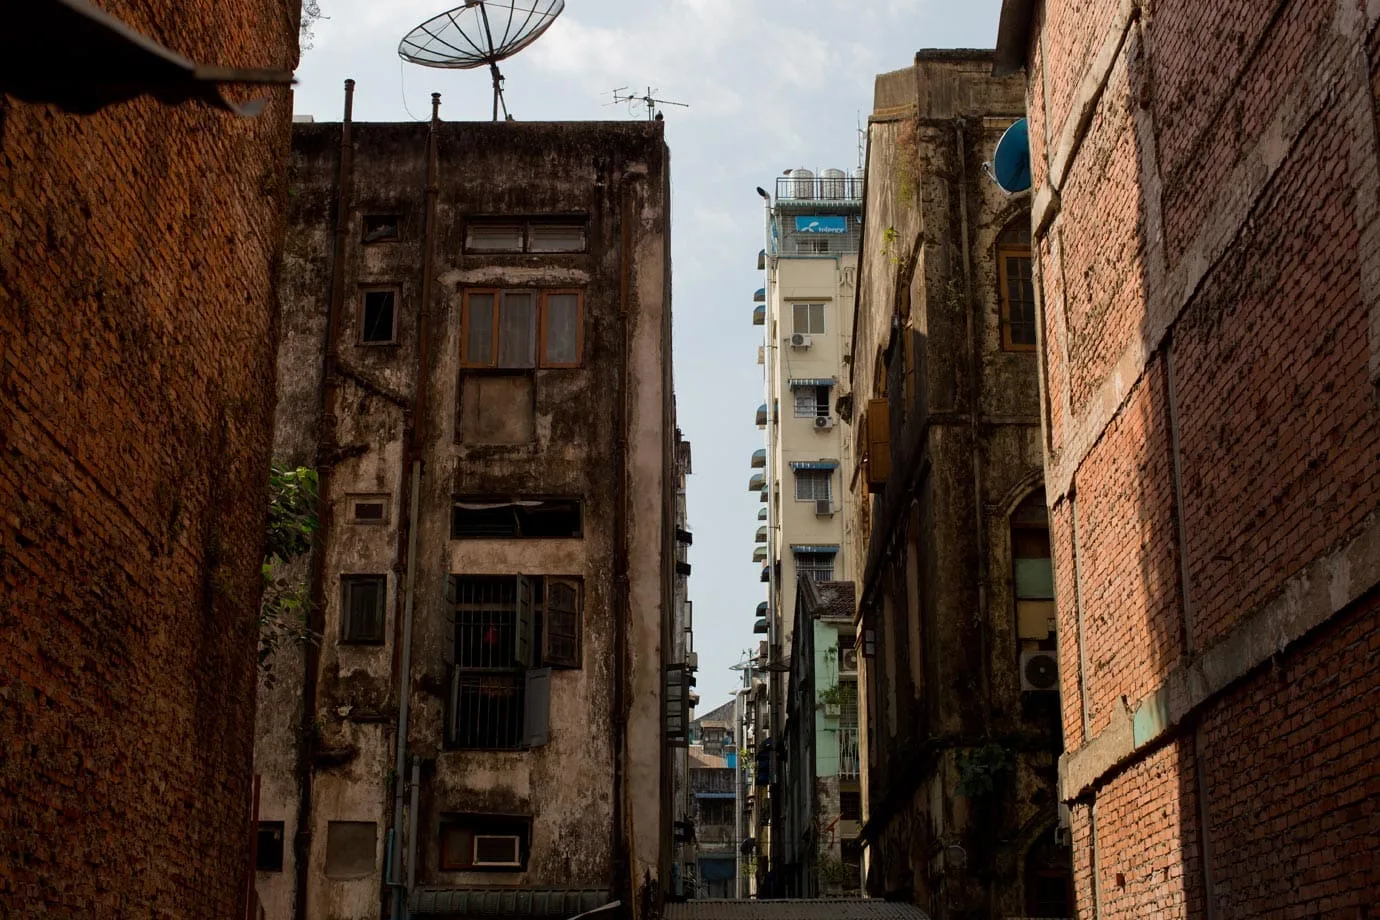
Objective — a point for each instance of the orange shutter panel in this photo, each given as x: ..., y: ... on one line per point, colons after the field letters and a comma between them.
x: 878, y: 444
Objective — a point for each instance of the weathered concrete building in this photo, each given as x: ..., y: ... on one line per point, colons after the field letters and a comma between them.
x: 138, y: 249
x: 806, y: 312
x: 1206, y: 193
x: 955, y: 598
x: 476, y: 355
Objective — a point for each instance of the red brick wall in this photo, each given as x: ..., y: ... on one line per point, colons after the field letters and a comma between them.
x: 1211, y: 273
x: 138, y: 325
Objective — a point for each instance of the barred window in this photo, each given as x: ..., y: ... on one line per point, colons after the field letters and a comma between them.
x: 813, y: 485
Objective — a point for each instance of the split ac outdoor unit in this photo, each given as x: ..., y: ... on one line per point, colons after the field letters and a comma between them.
x: 824, y: 423
x: 848, y: 661
x: 498, y: 850
x: 824, y: 507
x: 799, y: 340
x: 1039, y: 672
x: 692, y: 660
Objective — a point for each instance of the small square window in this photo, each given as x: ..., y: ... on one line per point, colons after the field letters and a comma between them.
x: 268, y: 852
x: 369, y: 509
x: 382, y: 228
x: 378, y: 324
x: 362, y: 609
x: 807, y: 318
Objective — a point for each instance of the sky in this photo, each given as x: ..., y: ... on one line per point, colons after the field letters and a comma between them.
x: 770, y: 85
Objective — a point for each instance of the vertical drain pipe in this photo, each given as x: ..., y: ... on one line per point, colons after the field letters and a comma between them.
x: 325, y: 459
x: 401, y: 891
x: 622, y: 871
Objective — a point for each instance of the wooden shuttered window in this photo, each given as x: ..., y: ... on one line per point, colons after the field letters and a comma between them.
x: 878, y: 427
x: 562, y: 632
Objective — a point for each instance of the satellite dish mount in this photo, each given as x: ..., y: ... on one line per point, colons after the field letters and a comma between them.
x: 480, y: 33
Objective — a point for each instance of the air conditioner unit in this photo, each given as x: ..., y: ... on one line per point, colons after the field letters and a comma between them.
x: 824, y: 423
x: 824, y: 507
x: 498, y: 850
x: 692, y: 660
x: 832, y: 709
x: 848, y: 661
x: 799, y: 340
x: 1039, y: 672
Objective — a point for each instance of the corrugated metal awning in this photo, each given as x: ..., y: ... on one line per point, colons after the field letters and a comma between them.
x: 814, y: 547
x: 813, y: 382
x: 814, y: 464
x: 759, y: 296
x: 814, y: 909
x: 514, y: 902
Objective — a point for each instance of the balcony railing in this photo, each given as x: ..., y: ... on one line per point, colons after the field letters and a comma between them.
x: 818, y: 188
x: 849, y: 765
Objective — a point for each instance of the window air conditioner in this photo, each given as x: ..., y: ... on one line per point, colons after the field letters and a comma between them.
x: 824, y: 423
x: 498, y: 850
x: 692, y: 660
x: 1039, y: 672
x: 799, y: 340
x: 824, y: 507
x: 848, y: 661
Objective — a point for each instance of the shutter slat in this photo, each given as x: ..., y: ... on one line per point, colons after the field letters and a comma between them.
x: 536, y: 722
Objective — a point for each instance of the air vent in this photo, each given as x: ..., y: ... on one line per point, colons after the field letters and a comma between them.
x: 1039, y: 672
x: 848, y: 661
x: 498, y: 850
x: 370, y: 511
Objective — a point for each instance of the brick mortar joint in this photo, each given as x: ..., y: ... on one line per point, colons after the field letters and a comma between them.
x: 1305, y: 603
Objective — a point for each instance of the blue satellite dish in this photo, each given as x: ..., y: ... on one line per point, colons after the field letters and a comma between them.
x: 1011, y: 161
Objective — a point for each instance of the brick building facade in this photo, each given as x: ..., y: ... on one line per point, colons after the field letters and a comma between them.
x: 138, y: 322
x: 1204, y: 213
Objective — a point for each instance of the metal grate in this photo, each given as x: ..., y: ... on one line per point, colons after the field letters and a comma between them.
x: 485, y: 623
x: 486, y: 710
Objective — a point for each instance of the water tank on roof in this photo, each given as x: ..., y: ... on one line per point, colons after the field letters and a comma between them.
x: 832, y: 183
x: 859, y: 175
x: 802, y: 184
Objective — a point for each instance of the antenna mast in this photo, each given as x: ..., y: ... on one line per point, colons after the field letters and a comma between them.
x: 648, y: 101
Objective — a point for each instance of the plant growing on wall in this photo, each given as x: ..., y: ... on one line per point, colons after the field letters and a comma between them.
x: 980, y: 770
x: 906, y: 168
x: 292, y: 523
x: 830, y: 696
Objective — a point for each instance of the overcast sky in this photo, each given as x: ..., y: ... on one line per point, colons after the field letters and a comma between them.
x: 771, y: 85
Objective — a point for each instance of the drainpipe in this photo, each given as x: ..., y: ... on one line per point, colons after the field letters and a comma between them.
x: 325, y: 460
x: 412, y: 825
x: 622, y: 870
x: 417, y: 440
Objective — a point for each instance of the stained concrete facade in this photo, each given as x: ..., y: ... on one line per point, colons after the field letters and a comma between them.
x: 954, y: 593
x: 1206, y: 217
x: 512, y: 416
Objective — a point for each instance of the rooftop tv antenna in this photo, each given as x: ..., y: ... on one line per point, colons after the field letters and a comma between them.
x: 649, y: 102
x: 479, y: 33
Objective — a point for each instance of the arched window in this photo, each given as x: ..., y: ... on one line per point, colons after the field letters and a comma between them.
x: 1033, y: 573
x: 1016, y: 286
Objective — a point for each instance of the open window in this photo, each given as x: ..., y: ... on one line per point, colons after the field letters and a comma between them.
x: 382, y: 228
x: 516, y: 518
x: 1033, y: 573
x: 524, y: 328
x: 1016, y: 285
x: 378, y: 320
x: 504, y: 635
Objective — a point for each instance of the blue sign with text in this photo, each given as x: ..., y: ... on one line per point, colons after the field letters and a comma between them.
x: 827, y: 224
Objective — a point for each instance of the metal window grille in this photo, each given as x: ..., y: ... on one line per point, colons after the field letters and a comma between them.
x: 816, y: 566
x: 813, y: 485
x: 486, y: 704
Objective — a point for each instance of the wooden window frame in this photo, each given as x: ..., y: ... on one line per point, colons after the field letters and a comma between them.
x: 579, y: 327
x: 576, y: 660
x: 1004, y: 251
x: 346, y: 582
x: 539, y: 359
x: 364, y: 293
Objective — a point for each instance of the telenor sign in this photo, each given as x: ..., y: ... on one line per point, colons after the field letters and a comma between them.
x: 831, y: 224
